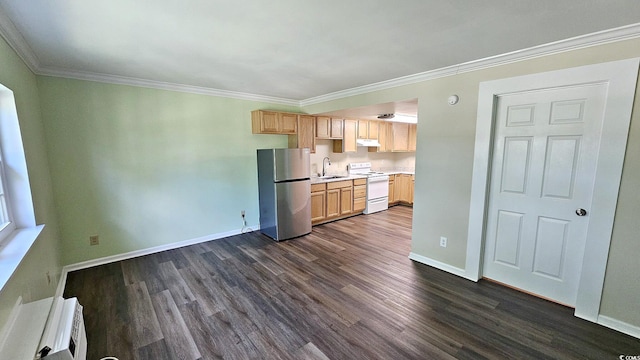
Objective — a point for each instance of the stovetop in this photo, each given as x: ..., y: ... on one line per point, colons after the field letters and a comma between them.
x: 363, y: 169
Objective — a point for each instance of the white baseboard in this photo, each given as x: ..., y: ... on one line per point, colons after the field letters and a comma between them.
x: 618, y: 325
x: 142, y: 252
x: 440, y: 265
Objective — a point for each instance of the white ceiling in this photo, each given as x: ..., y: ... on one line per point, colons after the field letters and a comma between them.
x: 289, y: 49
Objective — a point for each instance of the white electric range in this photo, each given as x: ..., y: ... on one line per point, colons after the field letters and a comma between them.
x: 377, y: 187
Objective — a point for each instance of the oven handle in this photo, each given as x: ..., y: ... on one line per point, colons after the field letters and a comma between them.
x: 378, y: 179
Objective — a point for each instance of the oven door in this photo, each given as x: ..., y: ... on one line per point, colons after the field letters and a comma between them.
x: 377, y: 187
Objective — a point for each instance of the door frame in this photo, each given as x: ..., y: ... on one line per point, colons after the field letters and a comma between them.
x: 620, y: 78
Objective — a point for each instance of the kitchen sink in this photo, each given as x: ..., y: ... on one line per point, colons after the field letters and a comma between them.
x: 333, y: 176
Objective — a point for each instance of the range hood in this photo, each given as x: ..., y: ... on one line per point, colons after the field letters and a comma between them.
x: 367, y: 143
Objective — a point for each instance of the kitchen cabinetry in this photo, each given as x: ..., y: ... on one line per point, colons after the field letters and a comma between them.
x: 368, y: 129
x: 328, y: 128
x: 400, y: 137
x: 359, y: 194
x: 305, y: 136
x: 318, y: 202
x: 346, y: 200
x: 337, y: 199
x: 413, y: 133
x: 348, y: 141
x: 396, y: 137
x: 271, y: 122
x: 401, y: 189
x: 385, y: 137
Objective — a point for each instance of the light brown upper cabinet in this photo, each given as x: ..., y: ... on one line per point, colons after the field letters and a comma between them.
x: 368, y: 129
x: 336, y: 128
x: 413, y: 133
x: 400, y: 136
x: 306, y: 136
x: 363, y: 129
x: 271, y: 122
x: 349, y: 136
x: 328, y: 128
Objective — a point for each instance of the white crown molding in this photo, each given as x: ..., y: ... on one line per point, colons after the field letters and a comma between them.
x: 17, y: 42
x: 14, y: 38
x: 124, y: 80
x: 578, y: 42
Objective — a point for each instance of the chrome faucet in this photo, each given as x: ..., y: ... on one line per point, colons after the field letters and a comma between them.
x: 323, y: 168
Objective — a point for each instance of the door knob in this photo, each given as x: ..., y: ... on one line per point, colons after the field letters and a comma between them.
x: 581, y: 212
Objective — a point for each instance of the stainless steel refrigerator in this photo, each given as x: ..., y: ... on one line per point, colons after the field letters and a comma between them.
x: 284, y: 187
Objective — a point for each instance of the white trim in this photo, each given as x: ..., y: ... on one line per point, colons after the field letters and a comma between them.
x: 124, y: 80
x: 440, y: 265
x: 137, y: 253
x: 17, y: 42
x: 621, y: 326
x: 14, y: 249
x: 578, y: 42
x: 621, y: 78
x: 8, y: 325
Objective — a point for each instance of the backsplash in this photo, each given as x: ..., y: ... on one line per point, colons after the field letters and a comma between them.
x: 339, y: 161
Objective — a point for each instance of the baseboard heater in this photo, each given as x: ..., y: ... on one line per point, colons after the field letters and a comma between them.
x: 64, y: 336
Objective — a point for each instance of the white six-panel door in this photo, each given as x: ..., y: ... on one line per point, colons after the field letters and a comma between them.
x: 543, y: 169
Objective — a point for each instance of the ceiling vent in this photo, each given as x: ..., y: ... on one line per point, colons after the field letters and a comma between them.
x: 386, y: 116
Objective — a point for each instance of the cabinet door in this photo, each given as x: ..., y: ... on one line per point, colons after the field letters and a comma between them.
x: 359, y: 204
x: 349, y: 135
x: 363, y: 129
x: 346, y: 201
x: 306, y: 134
x: 413, y: 130
x: 288, y: 123
x: 318, y: 206
x: 400, y: 137
x: 397, y: 192
x: 264, y: 122
x: 323, y: 127
x: 336, y: 128
x: 412, y: 188
x: 374, y: 128
x: 392, y: 189
x: 333, y: 203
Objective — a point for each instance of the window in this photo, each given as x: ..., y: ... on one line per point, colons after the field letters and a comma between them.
x: 18, y: 230
x: 7, y: 226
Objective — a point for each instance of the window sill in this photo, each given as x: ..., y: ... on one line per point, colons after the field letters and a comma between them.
x: 14, y: 249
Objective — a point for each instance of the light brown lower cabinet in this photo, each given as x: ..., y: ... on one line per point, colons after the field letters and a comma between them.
x: 333, y: 203
x: 337, y: 199
x: 318, y: 202
x: 401, y: 189
x: 346, y: 200
x: 359, y: 194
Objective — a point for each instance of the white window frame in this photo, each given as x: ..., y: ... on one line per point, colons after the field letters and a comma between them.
x: 19, y: 236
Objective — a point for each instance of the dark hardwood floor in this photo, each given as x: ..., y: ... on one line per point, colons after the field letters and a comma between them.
x: 345, y: 291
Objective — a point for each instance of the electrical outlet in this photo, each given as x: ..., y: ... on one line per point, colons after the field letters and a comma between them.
x: 443, y: 241
x: 94, y: 240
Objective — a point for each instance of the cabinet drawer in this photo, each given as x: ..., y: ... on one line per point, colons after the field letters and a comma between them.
x: 339, y: 184
x: 359, y: 204
x: 359, y: 191
x: 359, y: 181
x: 318, y: 187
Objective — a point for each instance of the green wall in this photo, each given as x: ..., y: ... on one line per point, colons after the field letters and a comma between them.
x: 145, y: 167
x: 444, y: 164
x: 30, y: 280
